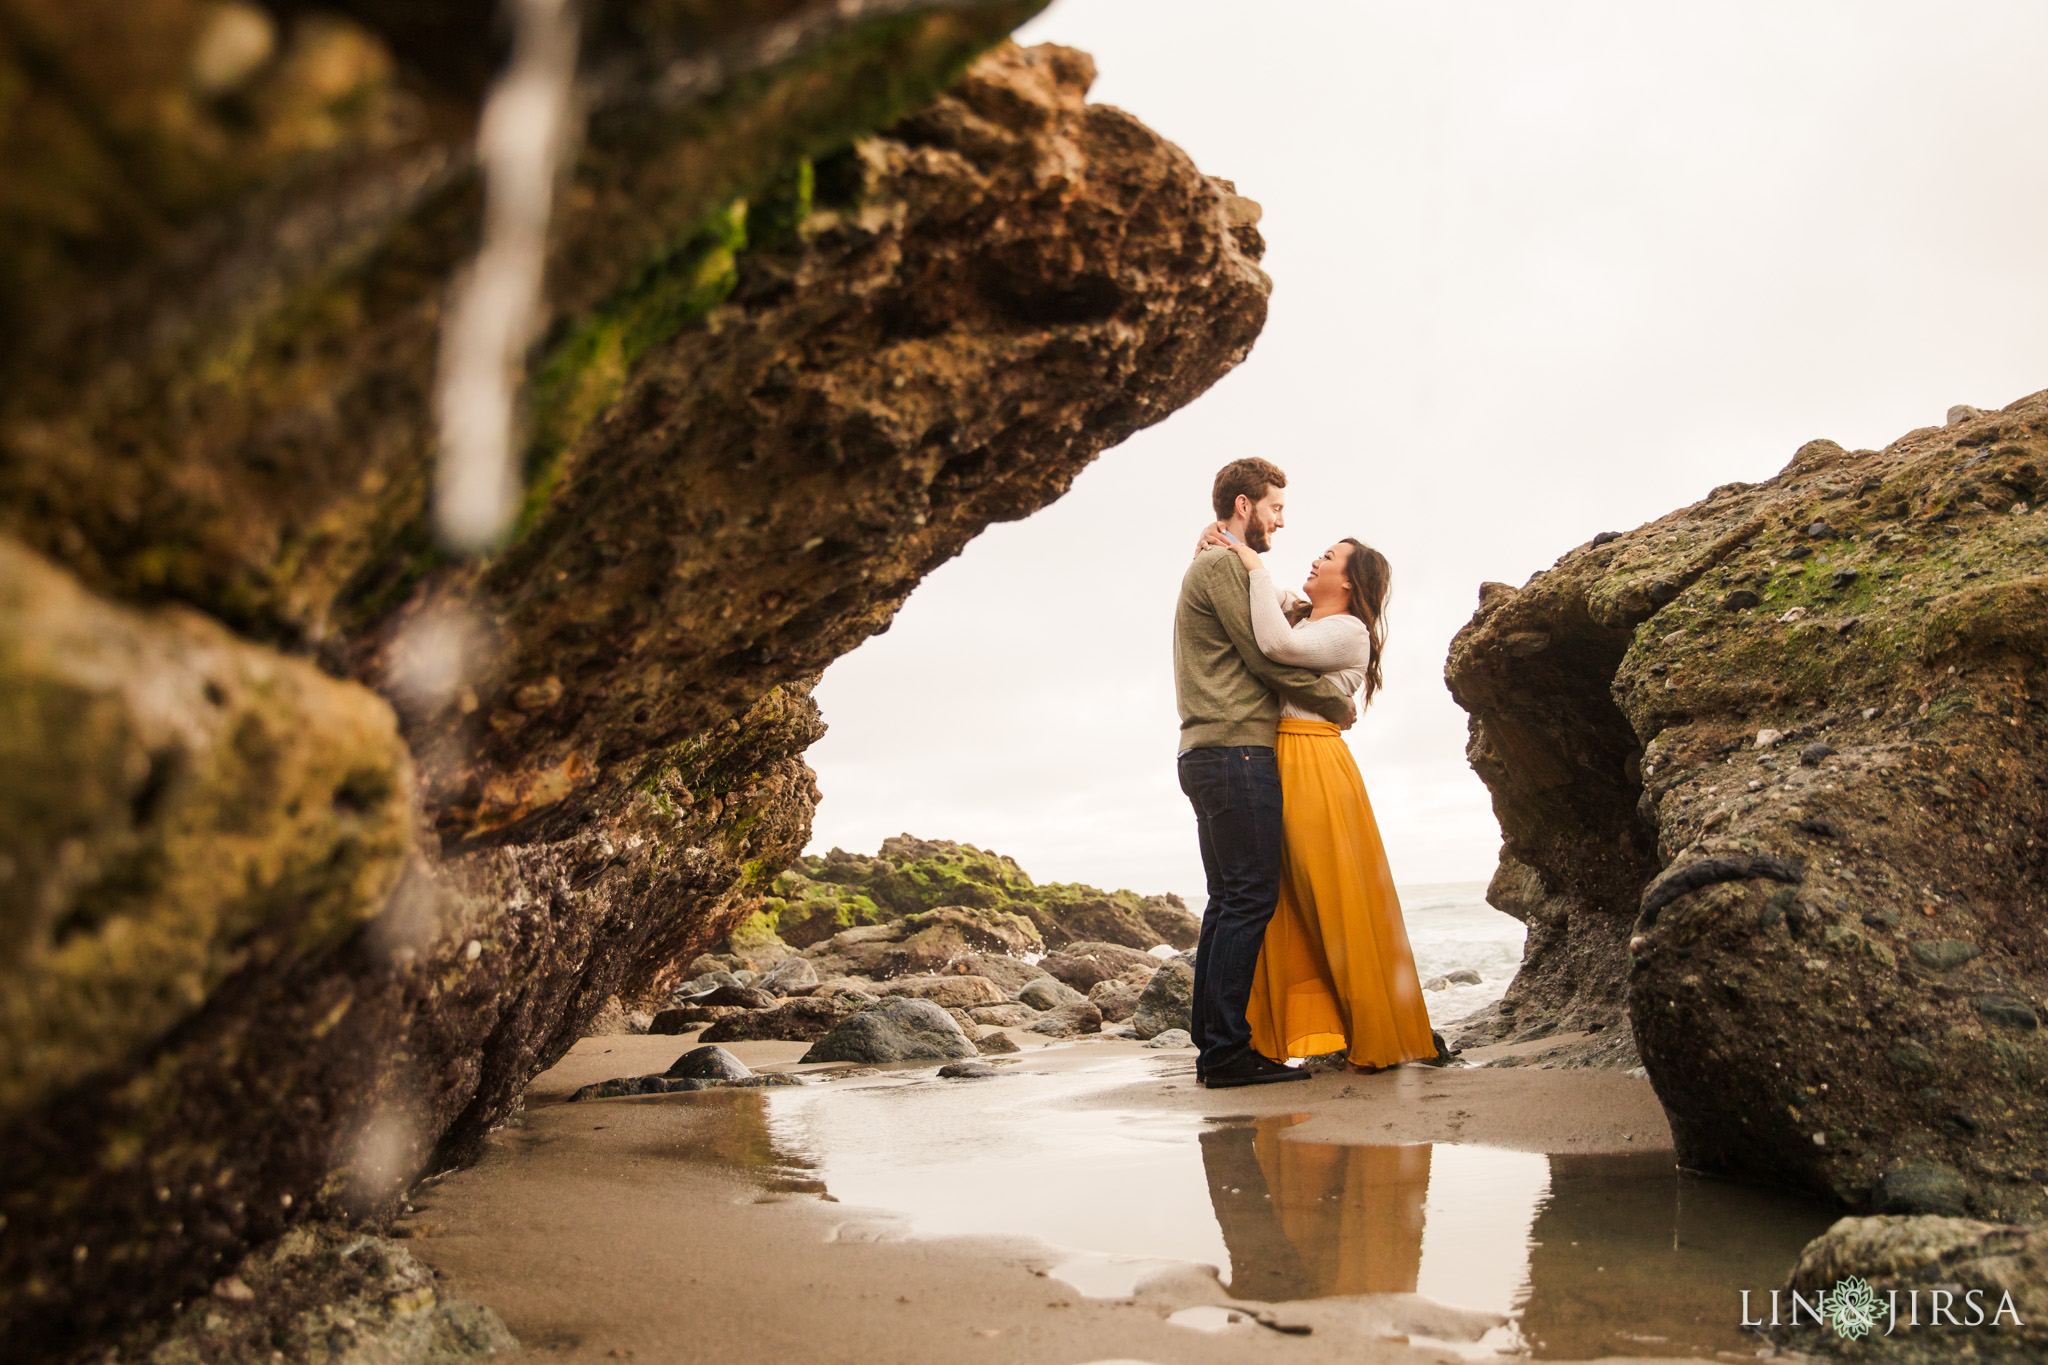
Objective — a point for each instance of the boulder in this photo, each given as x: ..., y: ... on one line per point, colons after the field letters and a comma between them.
x: 1118, y: 997
x: 966, y: 1071
x: 2003, y: 1268
x: 1171, y: 922
x: 708, y: 1064
x: 898, y: 1030
x: 1009, y: 1014
x: 1067, y: 915
x: 1173, y: 1037
x: 1013, y: 974
x: 922, y: 944
x: 792, y: 1021
x: 1828, y: 966
x: 953, y: 992
x: 788, y: 976
x: 289, y: 1299
x: 995, y: 1042
x: 1167, y: 1002
x: 1067, y: 1021
x: 1047, y: 994
x: 1082, y: 965
x: 702, y: 984
x: 686, y: 1018
x: 730, y: 997
x: 628, y: 1087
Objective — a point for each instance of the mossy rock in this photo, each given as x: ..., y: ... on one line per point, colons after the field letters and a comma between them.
x: 178, y: 803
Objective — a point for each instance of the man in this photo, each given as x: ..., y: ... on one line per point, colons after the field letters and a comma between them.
x: 1229, y: 717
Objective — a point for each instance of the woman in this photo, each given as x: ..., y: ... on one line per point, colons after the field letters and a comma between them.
x: 1336, y: 973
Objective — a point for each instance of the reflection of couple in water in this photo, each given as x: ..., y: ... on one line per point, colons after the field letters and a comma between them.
x: 1303, y: 952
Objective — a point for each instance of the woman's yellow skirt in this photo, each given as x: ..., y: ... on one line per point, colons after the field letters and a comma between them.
x: 1336, y: 973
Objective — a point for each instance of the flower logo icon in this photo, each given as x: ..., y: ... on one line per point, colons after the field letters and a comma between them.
x: 1851, y: 1307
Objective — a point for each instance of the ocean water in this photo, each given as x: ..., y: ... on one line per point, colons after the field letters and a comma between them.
x: 1450, y: 926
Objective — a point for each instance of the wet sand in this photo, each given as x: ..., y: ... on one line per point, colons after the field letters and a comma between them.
x: 680, y: 1228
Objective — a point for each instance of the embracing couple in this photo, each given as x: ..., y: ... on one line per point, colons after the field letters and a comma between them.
x: 1303, y: 953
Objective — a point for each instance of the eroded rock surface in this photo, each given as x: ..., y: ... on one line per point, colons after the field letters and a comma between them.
x: 325, y: 1292
x: 787, y: 369
x: 1769, y: 771
x: 1992, y: 1280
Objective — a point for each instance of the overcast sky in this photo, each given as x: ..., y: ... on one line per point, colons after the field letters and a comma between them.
x: 1540, y: 270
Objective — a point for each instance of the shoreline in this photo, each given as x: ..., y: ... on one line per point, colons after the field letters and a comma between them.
x: 670, y: 1228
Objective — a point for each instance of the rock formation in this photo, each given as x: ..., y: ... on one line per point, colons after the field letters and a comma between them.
x: 1770, y: 776
x: 1945, y: 1289
x: 334, y: 839
x: 823, y: 896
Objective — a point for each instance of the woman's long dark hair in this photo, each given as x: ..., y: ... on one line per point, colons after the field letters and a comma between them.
x: 1371, y: 578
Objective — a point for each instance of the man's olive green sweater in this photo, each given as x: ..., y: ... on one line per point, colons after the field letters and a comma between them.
x: 1227, y: 689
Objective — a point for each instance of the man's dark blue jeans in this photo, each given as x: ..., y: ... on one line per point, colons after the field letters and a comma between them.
x: 1236, y: 795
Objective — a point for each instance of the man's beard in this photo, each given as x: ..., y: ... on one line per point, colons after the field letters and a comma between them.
x: 1258, y: 537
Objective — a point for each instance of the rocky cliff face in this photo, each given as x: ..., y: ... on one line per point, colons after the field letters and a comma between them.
x: 323, y: 843
x: 1770, y: 775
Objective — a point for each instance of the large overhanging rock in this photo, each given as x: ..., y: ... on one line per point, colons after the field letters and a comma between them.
x: 1769, y: 770
x: 997, y: 289
x: 759, y: 414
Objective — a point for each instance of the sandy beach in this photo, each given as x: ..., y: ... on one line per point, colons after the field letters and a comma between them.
x: 682, y: 1228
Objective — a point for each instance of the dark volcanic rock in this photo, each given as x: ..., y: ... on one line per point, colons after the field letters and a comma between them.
x: 753, y: 431
x: 793, y: 1021
x: 899, y: 1030
x: 709, y: 1064
x: 1167, y: 1002
x: 1781, y: 922
x: 966, y: 1070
